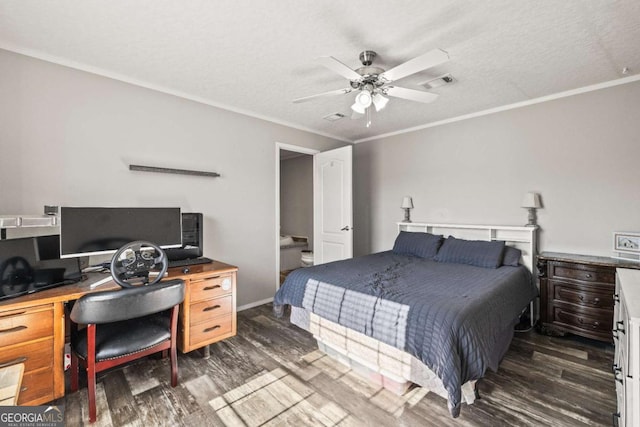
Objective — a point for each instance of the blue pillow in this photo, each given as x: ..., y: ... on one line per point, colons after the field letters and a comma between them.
x: 423, y: 245
x: 480, y: 253
x: 511, y: 256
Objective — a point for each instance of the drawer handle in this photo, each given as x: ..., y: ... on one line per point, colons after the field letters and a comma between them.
x: 211, y: 308
x: 213, y: 328
x: 616, y: 298
x: 617, y: 373
x: 595, y: 301
x: 14, y: 362
x: 588, y: 275
x: 594, y: 325
x: 14, y: 329
x: 210, y: 288
x: 12, y: 314
x: 205, y: 279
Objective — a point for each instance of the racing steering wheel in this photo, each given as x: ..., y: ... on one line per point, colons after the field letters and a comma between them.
x: 16, y: 274
x: 135, y: 260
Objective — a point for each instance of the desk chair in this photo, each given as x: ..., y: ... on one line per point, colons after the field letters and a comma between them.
x: 10, y: 382
x: 122, y: 326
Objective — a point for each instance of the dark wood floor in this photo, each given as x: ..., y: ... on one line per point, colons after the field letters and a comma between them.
x: 272, y: 374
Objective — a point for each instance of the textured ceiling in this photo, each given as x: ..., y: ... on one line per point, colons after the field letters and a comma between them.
x: 257, y: 56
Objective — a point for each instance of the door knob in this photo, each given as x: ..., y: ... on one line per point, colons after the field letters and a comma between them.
x: 345, y: 228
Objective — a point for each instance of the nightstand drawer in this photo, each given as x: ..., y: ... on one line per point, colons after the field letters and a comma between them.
x: 207, y: 331
x: 34, y: 355
x: 588, y: 322
x: 574, y: 272
x: 205, y: 310
x: 211, y: 287
x: 582, y: 296
x: 26, y: 325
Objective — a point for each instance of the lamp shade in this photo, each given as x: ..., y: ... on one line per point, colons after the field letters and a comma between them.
x: 379, y: 101
x: 407, y: 203
x: 364, y: 98
x: 531, y: 200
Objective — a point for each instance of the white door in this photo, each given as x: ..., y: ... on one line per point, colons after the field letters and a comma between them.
x: 332, y: 205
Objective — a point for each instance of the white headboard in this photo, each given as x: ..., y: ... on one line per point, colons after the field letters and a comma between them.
x: 523, y: 238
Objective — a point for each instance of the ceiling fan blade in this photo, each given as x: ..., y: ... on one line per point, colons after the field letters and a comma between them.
x: 320, y: 95
x: 430, y: 59
x: 410, y: 94
x: 334, y: 65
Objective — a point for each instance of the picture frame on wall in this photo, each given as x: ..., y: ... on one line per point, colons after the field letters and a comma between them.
x: 626, y: 245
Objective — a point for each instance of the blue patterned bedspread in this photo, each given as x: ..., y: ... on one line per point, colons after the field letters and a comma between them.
x: 452, y: 317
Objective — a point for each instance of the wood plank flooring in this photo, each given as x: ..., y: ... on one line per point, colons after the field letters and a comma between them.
x: 271, y: 374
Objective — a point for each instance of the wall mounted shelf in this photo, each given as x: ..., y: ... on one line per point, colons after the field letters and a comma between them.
x: 174, y: 171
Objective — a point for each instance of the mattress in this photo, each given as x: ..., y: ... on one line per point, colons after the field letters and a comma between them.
x: 451, y: 317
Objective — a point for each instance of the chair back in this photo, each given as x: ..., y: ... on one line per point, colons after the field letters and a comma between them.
x: 114, y: 306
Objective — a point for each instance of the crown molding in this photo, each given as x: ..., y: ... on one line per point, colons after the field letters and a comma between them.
x: 559, y: 95
x: 158, y: 88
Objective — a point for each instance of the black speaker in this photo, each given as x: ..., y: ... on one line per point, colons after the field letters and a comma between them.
x: 191, y: 238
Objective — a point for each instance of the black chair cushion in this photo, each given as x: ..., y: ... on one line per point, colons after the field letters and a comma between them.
x: 118, y: 339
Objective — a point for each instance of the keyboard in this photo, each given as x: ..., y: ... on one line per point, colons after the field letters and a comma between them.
x: 189, y: 261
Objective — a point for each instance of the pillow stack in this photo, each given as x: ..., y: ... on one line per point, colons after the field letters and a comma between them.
x: 481, y: 253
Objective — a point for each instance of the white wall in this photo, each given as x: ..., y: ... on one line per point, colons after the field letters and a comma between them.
x: 581, y: 153
x: 296, y: 197
x: 67, y: 138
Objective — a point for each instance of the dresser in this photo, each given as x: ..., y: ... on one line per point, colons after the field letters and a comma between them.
x: 576, y: 294
x: 626, y: 334
x: 208, y: 313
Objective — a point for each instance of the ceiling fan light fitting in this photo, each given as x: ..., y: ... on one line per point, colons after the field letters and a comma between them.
x: 379, y: 101
x: 364, y: 98
x: 358, y: 108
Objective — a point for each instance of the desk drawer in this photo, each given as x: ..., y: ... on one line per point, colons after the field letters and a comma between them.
x: 26, y: 325
x: 37, y: 388
x: 34, y: 355
x: 208, y: 331
x: 210, y: 287
x: 205, y: 310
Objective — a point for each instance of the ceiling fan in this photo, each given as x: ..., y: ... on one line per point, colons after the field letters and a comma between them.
x: 373, y: 83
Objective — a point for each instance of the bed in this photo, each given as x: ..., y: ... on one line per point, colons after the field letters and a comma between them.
x: 438, y: 310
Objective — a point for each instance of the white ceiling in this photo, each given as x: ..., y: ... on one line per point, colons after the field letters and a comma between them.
x: 256, y: 56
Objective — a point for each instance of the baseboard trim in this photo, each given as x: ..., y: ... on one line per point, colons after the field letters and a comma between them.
x: 254, y: 304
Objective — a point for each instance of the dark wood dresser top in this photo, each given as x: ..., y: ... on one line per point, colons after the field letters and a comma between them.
x: 589, y: 259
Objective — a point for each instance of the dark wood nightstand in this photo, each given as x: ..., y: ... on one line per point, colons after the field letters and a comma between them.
x: 576, y: 294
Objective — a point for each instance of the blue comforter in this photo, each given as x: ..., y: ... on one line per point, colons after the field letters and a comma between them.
x: 455, y: 318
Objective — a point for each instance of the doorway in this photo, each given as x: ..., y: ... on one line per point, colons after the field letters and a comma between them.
x: 294, y: 207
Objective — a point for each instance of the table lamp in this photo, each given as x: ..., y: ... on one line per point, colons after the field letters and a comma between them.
x: 531, y: 202
x: 407, y: 205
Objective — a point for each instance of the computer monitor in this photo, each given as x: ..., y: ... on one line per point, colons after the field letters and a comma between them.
x: 191, y: 238
x: 101, y: 230
x: 26, y: 265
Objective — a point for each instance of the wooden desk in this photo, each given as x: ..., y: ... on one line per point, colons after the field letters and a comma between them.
x: 32, y: 327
